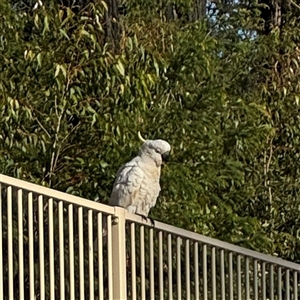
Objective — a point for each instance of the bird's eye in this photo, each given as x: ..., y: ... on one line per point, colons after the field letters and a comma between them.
x: 157, y: 151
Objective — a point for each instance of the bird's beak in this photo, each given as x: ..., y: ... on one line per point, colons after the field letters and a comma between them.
x: 165, y: 156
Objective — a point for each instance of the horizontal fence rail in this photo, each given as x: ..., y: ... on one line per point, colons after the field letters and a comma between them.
x: 58, y: 246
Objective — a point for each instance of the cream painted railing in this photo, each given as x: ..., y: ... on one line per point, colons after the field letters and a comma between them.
x: 57, y: 246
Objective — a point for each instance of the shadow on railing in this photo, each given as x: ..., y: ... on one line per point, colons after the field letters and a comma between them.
x: 52, y: 246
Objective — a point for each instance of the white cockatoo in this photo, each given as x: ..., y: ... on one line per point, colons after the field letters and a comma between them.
x: 137, y: 187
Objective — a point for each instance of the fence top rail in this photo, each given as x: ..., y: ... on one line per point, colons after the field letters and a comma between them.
x: 215, y: 243
x: 51, y: 193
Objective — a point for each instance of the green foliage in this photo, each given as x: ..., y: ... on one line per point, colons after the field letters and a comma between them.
x: 228, y: 103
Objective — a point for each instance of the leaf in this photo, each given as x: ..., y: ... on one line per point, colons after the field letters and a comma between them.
x: 46, y: 24
x: 39, y: 59
x: 120, y: 68
x: 57, y: 69
x: 284, y: 91
x: 63, y: 32
x: 156, y: 67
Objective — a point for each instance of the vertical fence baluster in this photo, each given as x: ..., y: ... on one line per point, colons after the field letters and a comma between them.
x: 239, y: 277
x: 81, y: 253
x: 170, y: 279
x: 255, y: 278
x: 100, y: 253
x: 247, y: 278
x: 133, y: 262
x: 109, y: 258
x: 51, y: 249
x: 231, y: 288
x: 213, y: 272
x: 161, y: 261
x: 204, y: 266
x: 31, y: 247
x: 142, y: 261
x: 41, y: 246
x: 263, y: 281
x: 295, y: 281
x: 287, y: 284
x: 222, y: 269
x: 178, y: 257
x: 20, y: 239
x: 61, y: 249
x: 1, y: 245
x: 271, y: 290
x: 91, y: 254
x: 10, y: 244
x: 71, y: 251
x: 187, y: 267
x: 152, y: 291
x: 279, y: 283
x: 196, y: 263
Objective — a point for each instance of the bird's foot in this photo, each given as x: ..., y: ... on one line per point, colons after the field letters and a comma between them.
x: 152, y: 221
x: 148, y: 218
x: 143, y: 216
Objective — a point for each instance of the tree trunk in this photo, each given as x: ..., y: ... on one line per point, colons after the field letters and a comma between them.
x: 112, y: 25
x: 199, y: 10
x: 275, y: 13
x: 173, y: 12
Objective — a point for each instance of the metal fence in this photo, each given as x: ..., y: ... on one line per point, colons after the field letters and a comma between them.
x: 58, y: 246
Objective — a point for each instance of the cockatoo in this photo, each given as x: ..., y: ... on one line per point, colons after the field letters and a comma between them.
x: 137, y: 187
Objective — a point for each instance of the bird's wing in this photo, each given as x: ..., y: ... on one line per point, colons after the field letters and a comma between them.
x: 127, y: 191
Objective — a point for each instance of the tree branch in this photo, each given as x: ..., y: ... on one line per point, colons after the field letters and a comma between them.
x: 295, y: 4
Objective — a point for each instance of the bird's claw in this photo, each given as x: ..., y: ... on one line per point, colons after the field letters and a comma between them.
x: 152, y: 221
x: 148, y: 218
